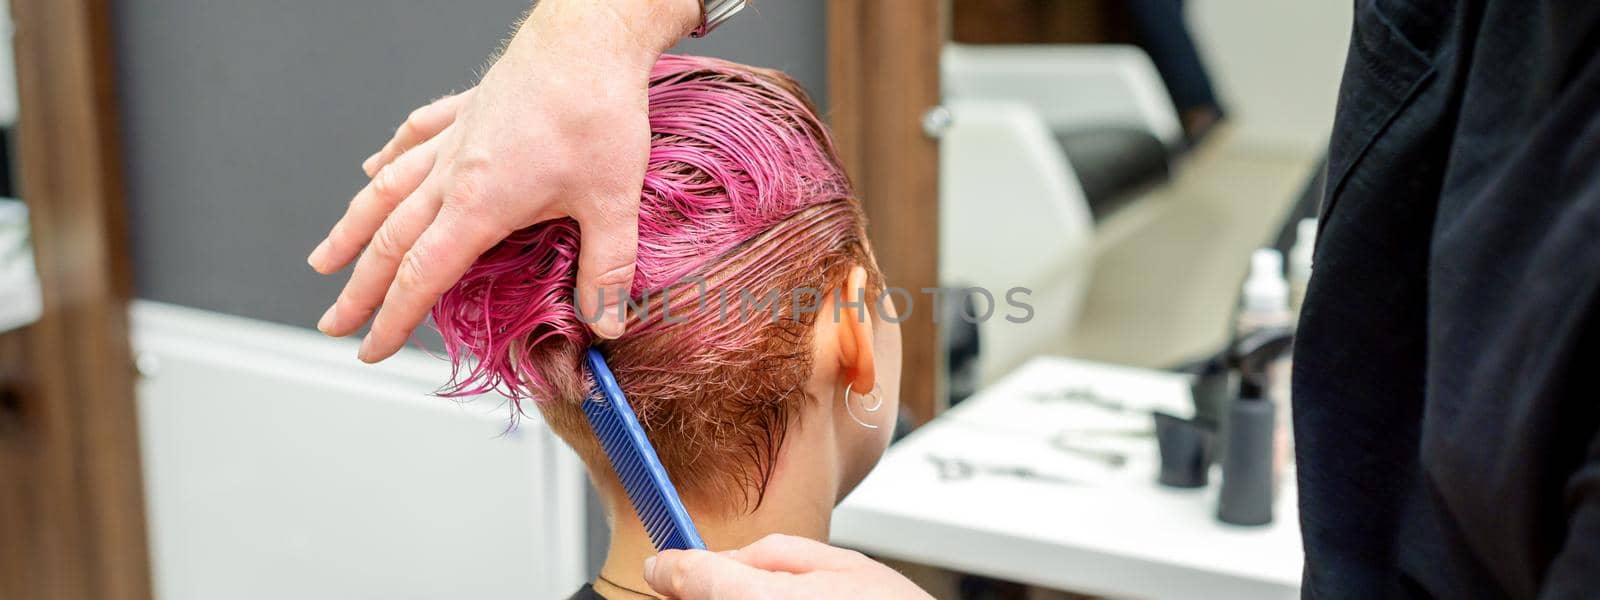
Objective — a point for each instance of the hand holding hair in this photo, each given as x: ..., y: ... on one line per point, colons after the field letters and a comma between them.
x: 777, y: 566
x: 556, y: 128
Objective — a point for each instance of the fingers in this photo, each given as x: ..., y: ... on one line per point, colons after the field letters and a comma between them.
x: 792, y: 554
x: 703, y: 575
x: 376, y: 269
x: 421, y: 125
x: 371, y: 206
x: 444, y: 252
x: 606, y: 264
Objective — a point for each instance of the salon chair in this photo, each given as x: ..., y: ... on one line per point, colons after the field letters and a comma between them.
x: 1043, y: 143
x: 1104, y: 105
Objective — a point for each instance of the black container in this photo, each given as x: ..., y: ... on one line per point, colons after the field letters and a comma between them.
x: 1186, y: 447
x: 1250, y: 460
x: 1214, y: 388
x: 1249, y: 480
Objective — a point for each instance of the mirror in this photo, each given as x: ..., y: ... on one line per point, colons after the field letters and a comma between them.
x: 19, y: 282
x: 1109, y: 173
x: 1122, y: 161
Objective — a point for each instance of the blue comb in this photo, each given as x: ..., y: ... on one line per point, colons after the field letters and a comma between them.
x: 634, y: 459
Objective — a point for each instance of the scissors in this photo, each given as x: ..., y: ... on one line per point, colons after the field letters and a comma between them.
x: 956, y: 469
x: 1081, y: 395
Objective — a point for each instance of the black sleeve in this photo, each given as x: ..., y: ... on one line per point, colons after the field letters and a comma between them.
x: 1575, y: 571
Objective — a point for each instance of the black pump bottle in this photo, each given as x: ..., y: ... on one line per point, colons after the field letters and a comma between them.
x: 1250, y: 465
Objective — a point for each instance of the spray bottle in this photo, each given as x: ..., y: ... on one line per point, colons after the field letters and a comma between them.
x: 1305, y: 240
x: 1264, y: 303
x: 1252, y: 467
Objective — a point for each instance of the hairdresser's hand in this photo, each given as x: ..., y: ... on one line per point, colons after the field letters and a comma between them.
x: 778, y: 566
x: 556, y: 128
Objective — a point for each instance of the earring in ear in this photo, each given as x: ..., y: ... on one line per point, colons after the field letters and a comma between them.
x: 872, y: 409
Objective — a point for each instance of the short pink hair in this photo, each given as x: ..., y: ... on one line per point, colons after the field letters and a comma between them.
x: 743, y: 190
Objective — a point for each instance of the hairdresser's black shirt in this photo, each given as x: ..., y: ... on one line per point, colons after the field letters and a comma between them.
x: 1447, y: 384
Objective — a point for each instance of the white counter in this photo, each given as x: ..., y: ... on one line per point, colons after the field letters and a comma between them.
x: 1112, y: 531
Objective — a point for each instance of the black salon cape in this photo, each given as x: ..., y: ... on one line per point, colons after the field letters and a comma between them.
x: 1447, y: 371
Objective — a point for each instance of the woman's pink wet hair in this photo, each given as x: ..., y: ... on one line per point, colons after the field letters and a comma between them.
x: 742, y: 190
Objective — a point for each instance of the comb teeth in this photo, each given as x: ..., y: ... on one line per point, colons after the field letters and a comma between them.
x: 634, y: 460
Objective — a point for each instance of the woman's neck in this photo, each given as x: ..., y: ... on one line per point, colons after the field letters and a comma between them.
x: 798, y: 501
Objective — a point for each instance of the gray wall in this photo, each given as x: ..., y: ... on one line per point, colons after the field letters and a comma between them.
x: 245, y: 124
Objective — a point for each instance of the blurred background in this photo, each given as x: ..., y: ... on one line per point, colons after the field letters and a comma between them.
x: 172, y: 426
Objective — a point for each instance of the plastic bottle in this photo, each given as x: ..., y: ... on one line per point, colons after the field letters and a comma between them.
x: 1249, y: 476
x: 1305, y: 240
x: 1264, y: 305
x: 1251, y: 469
x: 1265, y: 301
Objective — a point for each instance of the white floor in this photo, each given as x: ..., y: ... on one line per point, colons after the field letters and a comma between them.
x: 1164, y: 286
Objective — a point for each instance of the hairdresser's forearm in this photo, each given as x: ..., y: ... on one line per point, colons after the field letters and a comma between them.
x: 556, y: 128
x: 635, y: 32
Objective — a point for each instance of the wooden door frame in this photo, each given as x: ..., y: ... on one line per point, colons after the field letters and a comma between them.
x: 70, y: 476
x: 883, y: 76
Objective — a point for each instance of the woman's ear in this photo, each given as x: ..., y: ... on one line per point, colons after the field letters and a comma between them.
x: 856, y: 359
